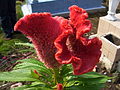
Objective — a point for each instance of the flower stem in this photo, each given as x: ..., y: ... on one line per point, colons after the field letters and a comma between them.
x: 56, y: 75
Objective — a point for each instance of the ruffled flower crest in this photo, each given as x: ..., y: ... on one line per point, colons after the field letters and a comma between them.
x: 73, y: 48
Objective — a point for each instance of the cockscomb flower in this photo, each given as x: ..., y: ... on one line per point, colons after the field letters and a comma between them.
x: 60, y: 41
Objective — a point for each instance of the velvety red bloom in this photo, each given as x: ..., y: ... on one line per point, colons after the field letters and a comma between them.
x: 60, y: 41
x: 42, y: 29
x: 73, y: 48
x: 59, y: 86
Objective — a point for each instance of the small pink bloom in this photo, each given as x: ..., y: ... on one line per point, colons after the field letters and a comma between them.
x: 35, y: 71
x: 59, y: 86
x: 4, y: 57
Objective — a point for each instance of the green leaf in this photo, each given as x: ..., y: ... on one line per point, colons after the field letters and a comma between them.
x: 38, y: 83
x: 65, y: 70
x: 33, y: 86
x: 90, y: 78
x: 85, y: 87
x: 17, y: 75
x: 32, y: 60
x: 92, y: 75
x: 33, y: 64
x: 25, y: 44
x: 26, y: 50
x: 28, y: 87
x: 34, y: 74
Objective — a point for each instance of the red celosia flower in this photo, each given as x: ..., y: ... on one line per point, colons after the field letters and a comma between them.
x: 60, y: 40
x: 42, y: 29
x: 73, y: 48
x: 59, y: 86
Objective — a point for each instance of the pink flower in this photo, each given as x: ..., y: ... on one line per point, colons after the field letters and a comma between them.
x: 59, y: 86
x: 61, y: 41
x: 4, y: 57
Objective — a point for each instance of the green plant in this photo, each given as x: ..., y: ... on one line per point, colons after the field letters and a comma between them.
x: 29, y: 49
x: 8, y: 47
x: 43, y: 78
x: 18, y: 10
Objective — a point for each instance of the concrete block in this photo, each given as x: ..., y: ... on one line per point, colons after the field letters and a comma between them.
x: 101, y: 26
x: 109, y: 33
x: 108, y: 64
x: 117, y: 31
x: 112, y: 29
x: 111, y: 49
x: 106, y: 26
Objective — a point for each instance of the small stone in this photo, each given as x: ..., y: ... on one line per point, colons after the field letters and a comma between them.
x: 109, y: 81
x: 16, y: 85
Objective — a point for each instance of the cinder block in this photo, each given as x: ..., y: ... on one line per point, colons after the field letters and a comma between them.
x: 103, y: 26
x: 111, y: 56
x: 105, y: 52
x: 111, y: 49
x: 106, y: 26
x: 108, y: 64
x: 100, y: 26
x: 112, y: 29
x: 117, y: 31
x: 110, y: 45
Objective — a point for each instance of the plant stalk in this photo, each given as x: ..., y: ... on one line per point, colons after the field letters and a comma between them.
x: 56, y: 75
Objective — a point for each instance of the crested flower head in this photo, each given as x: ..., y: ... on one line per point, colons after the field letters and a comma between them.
x: 42, y: 29
x: 60, y: 41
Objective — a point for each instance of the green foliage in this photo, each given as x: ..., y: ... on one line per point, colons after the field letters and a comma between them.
x: 30, y: 49
x: 86, y: 87
x: 18, y: 10
x: 33, y: 64
x: 35, y: 86
x: 43, y: 78
x: 17, y: 75
x: 25, y: 44
x: 87, y: 81
x: 7, y: 47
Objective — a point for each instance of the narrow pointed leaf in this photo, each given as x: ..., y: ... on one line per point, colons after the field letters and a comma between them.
x: 17, y: 75
x: 25, y: 44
